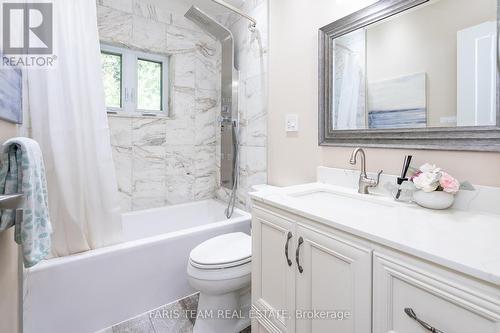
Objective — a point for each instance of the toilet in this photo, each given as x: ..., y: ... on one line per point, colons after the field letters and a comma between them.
x: 220, y: 268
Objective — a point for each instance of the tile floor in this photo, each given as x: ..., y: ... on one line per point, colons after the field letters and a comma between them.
x: 162, y: 320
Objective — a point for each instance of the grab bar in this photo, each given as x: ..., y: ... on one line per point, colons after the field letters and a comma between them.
x: 11, y: 201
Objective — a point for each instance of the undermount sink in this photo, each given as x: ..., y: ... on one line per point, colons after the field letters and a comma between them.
x: 339, y: 199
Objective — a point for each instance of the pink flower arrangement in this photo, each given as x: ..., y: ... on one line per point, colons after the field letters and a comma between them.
x: 430, y: 178
x: 448, y: 183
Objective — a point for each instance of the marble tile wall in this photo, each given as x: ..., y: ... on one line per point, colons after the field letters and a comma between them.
x: 166, y: 160
x: 251, y: 60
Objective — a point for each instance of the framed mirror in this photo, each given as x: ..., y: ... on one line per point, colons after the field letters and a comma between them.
x: 420, y: 74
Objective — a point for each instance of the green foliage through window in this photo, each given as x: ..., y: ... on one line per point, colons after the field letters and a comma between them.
x: 149, y: 85
x: 134, y: 81
x: 112, y: 75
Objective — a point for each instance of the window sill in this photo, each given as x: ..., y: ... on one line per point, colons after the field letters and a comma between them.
x: 138, y: 115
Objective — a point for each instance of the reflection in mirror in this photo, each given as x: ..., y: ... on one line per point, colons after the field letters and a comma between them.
x: 431, y: 66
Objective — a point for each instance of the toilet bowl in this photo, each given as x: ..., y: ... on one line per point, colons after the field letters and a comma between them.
x: 220, y: 269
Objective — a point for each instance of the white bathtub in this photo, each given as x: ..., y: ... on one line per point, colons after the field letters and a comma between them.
x: 88, y: 292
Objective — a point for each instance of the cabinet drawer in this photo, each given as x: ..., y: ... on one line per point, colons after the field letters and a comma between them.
x: 435, y: 299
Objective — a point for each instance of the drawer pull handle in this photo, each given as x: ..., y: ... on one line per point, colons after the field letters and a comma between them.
x: 297, y: 255
x: 413, y: 315
x: 288, y: 237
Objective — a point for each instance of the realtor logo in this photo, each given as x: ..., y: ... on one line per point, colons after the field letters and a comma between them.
x: 27, y: 28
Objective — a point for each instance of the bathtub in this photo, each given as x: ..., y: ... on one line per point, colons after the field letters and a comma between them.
x: 88, y: 292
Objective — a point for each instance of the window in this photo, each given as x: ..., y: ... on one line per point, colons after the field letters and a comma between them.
x: 134, y: 82
x: 112, y: 75
x: 149, y: 85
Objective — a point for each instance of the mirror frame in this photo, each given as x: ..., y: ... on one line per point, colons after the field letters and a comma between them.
x: 470, y: 138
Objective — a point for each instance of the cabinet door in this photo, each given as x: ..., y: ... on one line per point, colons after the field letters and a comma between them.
x: 334, y: 287
x: 403, y: 290
x: 273, y: 279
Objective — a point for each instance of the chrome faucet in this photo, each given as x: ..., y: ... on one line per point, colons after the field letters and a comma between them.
x: 364, y: 181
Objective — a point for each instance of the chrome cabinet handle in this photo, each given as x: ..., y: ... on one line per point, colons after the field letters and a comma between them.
x: 413, y: 315
x: 297, y: 255
x: 288, y: 237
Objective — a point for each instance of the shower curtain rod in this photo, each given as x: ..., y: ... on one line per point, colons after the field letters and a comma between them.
x: 253, y: 25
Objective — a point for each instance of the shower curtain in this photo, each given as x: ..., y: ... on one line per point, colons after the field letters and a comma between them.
x: 69, y: 121
x: 351, y: 104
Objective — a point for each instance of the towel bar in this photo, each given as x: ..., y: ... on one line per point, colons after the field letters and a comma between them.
x: 11, y: 201
x: 15, y: 201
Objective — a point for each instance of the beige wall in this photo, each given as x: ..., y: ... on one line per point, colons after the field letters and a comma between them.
x: 425, y: 41
x: 293, y: 88
x: 8, y: 262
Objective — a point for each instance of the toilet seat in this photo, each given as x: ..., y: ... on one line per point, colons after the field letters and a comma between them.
x: 220, y: 275
x: 222, y: 252
x: 220, y: 266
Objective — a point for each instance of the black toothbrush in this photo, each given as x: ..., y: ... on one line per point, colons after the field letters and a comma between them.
x: 404, y: 171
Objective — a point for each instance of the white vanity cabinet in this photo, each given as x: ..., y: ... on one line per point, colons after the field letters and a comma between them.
x: 317, y: 274
x: 301, y: 266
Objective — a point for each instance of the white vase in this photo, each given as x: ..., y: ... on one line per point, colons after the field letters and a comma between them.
x: 434, y: 200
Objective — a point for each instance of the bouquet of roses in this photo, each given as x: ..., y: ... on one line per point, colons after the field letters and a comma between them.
x: 430, y: 178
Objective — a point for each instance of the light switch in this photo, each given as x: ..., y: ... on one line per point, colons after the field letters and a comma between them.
x: 292, y: 122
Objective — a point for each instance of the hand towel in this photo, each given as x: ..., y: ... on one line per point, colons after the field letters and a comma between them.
x: 22, y: 171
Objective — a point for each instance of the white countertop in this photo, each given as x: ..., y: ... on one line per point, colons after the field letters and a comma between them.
x: 465, y: 241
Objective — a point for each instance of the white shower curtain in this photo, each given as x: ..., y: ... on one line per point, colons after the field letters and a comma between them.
x: 69, y: 120
x: 350, y: 105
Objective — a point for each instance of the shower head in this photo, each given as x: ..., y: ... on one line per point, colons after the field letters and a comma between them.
x: 208, y: 24
x: 253, y: 23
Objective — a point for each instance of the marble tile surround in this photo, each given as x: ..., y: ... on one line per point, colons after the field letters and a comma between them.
x: 175, y: 160
x: 167, y: 160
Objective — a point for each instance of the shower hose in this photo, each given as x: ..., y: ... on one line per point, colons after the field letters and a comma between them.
x: 236, y: 169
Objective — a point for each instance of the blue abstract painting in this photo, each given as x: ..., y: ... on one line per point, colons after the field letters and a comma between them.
x: 398, y: 103
x: 11, y: 94
x: 411, y: 118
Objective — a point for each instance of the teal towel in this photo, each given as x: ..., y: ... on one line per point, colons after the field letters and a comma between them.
x: 22, y: 171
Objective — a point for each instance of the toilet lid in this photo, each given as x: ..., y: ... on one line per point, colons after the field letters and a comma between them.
x: 223, y: 251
